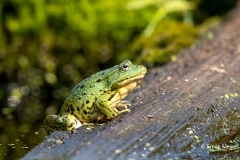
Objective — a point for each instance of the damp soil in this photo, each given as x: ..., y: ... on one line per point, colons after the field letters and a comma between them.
x: 180, y: 109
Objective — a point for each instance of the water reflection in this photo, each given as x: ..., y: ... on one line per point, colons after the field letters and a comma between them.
x: 21, y: 117
x: 15, y: 141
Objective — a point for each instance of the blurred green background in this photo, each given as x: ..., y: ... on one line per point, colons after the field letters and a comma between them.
x: 47, y: 47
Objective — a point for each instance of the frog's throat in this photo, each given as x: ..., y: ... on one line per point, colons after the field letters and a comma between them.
x: 123, y: 91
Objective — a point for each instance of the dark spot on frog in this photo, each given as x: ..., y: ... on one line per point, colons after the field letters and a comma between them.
x: 71, y: 107
x: 79, y: 98
x: 91, y: 86
x: 87, y: 101
x: 75, y: 116
x: 102, y: 73
x: 84, y: 93
x: 82, y: 106
x: 82, y: 116
x: 71, y: 125
x: 84, y: 111
x: 113, y: 115
x: 78, y: 108
x: 82, y: 86
x: 75, y: 121
x: 109, y: 99
x: 77, y: 87
x: 100, y: 90
x: 99, y: 80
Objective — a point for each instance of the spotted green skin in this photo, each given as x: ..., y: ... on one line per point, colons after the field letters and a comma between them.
x: 97, y: 98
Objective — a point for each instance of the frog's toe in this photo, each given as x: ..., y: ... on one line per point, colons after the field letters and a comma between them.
x: 61, y: 123
x: 87, y: 124
x: 70, y: 122
x: 123, y: 111
x: 52, y: 123
x: 123, y: 104
x: 74, y: 131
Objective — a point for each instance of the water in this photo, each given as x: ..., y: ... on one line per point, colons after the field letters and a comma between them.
x: 15, y: 141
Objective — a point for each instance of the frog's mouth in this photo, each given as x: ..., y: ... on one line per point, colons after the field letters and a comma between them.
x: 137, y: 79
x: 133, y: 79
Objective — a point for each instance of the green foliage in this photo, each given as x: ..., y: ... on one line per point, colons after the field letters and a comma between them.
x: 164, y: 7
x: 156, y: 49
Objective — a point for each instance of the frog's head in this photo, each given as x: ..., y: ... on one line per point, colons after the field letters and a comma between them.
x: 126, y: 75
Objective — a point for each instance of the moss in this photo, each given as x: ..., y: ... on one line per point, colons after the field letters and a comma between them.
x: 167, y: 40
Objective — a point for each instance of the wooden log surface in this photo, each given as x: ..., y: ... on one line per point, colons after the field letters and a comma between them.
x: 177, y: 112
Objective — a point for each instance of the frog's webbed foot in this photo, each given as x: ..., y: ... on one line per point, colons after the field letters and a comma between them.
x: 110, y: 109
x: 65, y: 122
x: 123, y: 104
x: 121, y: 111
x: 122, y: 107
x: 87, y: 124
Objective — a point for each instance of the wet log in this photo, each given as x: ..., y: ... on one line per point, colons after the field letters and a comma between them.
x: 179, y: 109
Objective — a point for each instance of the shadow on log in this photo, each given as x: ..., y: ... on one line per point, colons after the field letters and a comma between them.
x: 180, y: 109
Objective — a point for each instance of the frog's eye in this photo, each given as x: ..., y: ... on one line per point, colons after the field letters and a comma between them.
x: 125, y: 66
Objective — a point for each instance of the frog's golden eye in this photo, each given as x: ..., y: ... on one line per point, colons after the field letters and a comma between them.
x: 125, y: 66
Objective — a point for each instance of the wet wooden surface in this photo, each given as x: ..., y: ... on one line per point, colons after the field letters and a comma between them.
x: 176, y: 113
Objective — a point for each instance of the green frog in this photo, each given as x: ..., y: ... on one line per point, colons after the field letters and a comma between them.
x: 97, y: 98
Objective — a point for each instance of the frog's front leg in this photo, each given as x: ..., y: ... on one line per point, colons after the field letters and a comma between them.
x: 108, y: 103
x: 65, y: 122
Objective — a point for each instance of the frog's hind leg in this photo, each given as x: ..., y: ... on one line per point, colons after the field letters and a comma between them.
x: 65, y: 122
